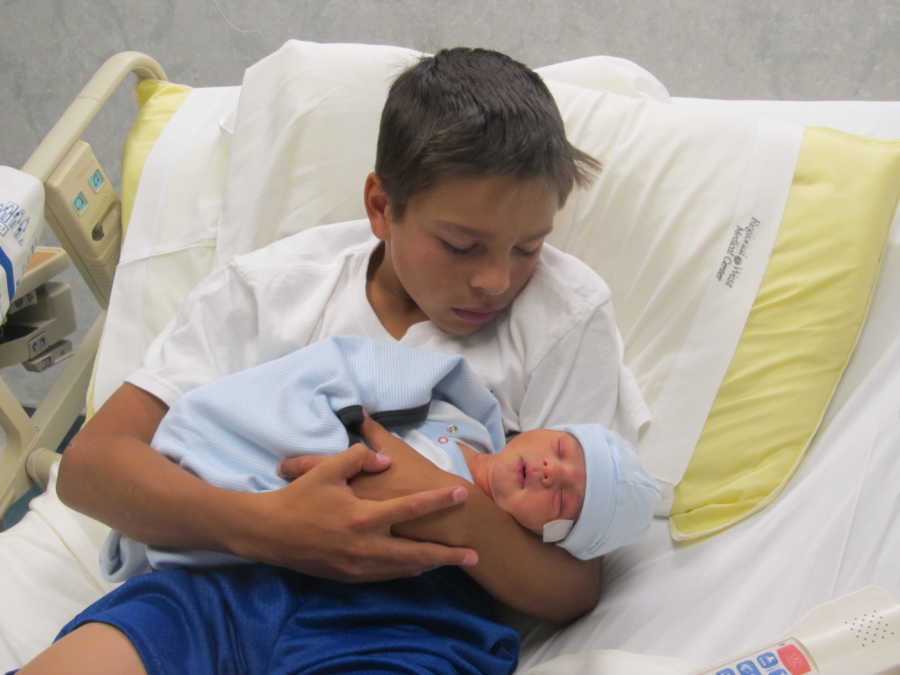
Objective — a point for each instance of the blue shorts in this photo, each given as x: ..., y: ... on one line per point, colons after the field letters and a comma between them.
x: 261, y: 619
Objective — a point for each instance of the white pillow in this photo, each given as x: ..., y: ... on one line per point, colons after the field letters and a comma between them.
x: 607, y: 73
x: 303, y: 172
x: 170, y: 241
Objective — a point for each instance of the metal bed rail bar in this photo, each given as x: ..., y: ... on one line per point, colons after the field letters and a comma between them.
x: 95, y: 258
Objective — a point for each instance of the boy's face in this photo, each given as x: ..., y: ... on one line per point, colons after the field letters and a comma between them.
x: 538, y: 477
x: 462, y: 251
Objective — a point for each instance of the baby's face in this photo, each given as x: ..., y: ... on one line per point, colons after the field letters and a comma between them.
x: 538, y: 477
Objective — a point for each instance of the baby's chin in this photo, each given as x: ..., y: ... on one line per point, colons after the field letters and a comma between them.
x: 538, y: 530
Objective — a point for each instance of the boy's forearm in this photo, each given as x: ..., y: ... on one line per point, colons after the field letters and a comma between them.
x: 110, y: 472
x: 514, y: 565
x: 135, y: 490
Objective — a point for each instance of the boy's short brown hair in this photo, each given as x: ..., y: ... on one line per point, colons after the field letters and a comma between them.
x: 473, y: 112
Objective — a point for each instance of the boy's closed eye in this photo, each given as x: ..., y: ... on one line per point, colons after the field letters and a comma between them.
x: 458, y: 250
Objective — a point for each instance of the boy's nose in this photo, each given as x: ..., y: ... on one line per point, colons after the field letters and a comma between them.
x: 493, y: 278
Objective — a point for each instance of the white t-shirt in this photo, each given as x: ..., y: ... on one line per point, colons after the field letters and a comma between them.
x: 553, y: 357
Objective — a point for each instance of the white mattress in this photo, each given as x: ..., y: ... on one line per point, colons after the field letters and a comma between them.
x: 832, y: 531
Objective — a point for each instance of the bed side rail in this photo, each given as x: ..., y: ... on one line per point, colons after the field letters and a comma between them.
x: 83, y: 210
x: 82, y: 207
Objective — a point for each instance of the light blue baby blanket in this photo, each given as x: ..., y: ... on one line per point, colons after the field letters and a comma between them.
x: 234, y: 431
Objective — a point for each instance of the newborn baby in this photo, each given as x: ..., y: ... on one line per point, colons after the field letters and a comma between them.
x: 547, y: 478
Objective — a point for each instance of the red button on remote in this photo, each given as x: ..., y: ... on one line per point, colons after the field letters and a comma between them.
x: 793, y: 660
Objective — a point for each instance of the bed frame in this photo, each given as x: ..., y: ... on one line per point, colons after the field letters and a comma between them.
x: 91, y: 240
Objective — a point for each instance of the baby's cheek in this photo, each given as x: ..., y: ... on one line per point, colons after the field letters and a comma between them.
x: 530, y: 514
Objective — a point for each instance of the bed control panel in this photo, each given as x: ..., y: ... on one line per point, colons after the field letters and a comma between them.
x: 784, y: 658
x: 858, y: 633
x: 33, y: 333
x: 84, y: 211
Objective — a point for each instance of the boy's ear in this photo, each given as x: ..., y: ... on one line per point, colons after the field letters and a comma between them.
x: 377, y: 206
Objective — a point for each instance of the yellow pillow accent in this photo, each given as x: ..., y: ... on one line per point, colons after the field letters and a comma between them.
x: 157, y: 100
x: 800, y: 333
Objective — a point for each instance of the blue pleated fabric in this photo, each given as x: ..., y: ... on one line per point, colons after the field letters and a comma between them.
x: 260, y: 619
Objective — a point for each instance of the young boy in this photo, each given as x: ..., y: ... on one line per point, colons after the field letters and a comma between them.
x: 471, y: 167
x: 580, y: 486
x: 235, y: 431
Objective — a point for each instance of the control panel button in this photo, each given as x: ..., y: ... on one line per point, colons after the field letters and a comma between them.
x: 767, y: 660
x: 793, y: 659
x: 80, y: 203
x: 96, y: 180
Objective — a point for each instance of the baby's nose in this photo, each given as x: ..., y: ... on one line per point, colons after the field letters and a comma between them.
x: 548, y: 473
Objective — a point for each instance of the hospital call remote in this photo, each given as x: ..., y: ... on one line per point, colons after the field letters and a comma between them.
x: 856, y: 634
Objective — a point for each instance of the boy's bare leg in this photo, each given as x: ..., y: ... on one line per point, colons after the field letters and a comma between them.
x: 90, y: 649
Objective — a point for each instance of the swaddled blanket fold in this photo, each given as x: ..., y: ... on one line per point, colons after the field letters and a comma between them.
x: 233, y: 432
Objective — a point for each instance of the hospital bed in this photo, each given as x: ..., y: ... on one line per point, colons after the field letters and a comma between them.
x: 754, y: 258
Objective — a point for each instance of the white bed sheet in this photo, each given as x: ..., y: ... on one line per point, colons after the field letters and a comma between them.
x: 831, y: 532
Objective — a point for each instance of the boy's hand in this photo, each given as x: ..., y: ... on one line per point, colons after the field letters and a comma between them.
x: 294, y: 467
x: 343, y: 537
